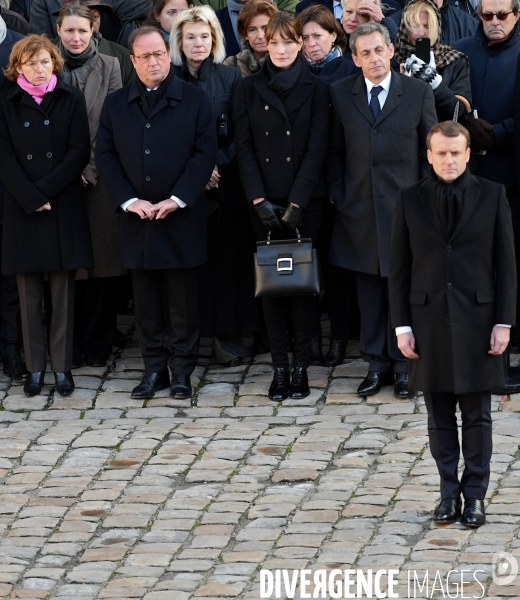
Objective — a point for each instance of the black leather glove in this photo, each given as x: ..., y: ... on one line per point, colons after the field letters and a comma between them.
x: 481, y: 133
x: 292, y: 216
x: 266, y: 211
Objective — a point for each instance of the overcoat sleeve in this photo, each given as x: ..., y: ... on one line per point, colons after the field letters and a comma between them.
x: 226, y: 155
x: 311, y: 167
x: 460, y: 84
x: 12, y: 175
x: 428, y: 120
x: 399, y: 268
x: 78, y: 153
x: 40, y: 19
x: 505, y: 267
x: 199, y: 167
x: 335, y: 162
x: 109, y: 166
x: 249, y: 170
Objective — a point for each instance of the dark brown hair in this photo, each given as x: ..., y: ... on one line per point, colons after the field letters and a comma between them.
x: 252, y: 9
x: 145, y: 30
x: 155, y: 10
x: 26, y: 48
x: 75, y: 10
x: 448, y: 129
x: 286, y: 24
x: 321, y: 15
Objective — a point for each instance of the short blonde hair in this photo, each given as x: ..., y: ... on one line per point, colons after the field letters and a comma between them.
x: 26, y: 48
x: 197, y: 14
x: 411, y: 15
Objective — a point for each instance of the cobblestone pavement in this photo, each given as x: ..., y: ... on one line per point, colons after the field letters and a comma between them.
x: 103, y: 496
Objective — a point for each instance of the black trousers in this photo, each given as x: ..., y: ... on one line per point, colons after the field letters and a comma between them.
x: 341, y: 295
x: 178, y: 289
x: 10, y: 322
x: 297, y: 313
x: 30, y: 288
x: 477, y: 443
x: 95, y: 317
x: 378, y: 339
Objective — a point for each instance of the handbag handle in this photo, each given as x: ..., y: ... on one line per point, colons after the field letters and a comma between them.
x: 297, y: 233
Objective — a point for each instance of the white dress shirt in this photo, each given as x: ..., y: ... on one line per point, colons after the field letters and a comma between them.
x: 383, y: 94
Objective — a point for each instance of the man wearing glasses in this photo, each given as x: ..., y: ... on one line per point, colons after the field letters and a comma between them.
x: 155, y: 152
x: 493, y: 54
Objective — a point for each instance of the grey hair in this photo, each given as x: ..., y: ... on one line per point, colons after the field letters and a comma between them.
x: 367, y: 29
x: 515, y: 6
x: 197, y: 14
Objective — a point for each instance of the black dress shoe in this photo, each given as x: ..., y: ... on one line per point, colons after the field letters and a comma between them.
x: 64, y: 383
x: 447, y: 511
x: 234, y: 362
x: 181, y: 386
x: 34, y: 383
x: 279, y: 388
x: 151, y: 383
x: 373, y: 383
x: 96, y: 362
x: 474, y: 514
x: 336, y: 354
x: 316, y: 353
x: 401, y: 386
x: 299, y: 383
x: 14, y: 366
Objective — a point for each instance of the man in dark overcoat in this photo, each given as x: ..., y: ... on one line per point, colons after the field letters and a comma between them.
x: 155, y: 152
x: 10, y: 323
x: 378, y: 144
x: 453, y: 295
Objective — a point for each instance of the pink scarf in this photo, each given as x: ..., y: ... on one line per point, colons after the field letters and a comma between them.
x: 37, y: 91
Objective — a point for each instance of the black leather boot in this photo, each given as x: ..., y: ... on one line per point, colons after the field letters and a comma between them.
x: 279, y: 389
x: 336, y: 354
x: 34, y: 383
x: 299, y: 383
x: 316, y: 353
x: 64, y: 383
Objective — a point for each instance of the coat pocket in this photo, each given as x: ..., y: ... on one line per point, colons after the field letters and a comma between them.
x: 484, y: 296
x: 417, y: 297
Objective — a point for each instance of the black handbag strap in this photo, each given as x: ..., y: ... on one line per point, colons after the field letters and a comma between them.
x: 297, y: 233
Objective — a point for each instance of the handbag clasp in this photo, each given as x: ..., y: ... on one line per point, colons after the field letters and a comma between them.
x: 288, y: 267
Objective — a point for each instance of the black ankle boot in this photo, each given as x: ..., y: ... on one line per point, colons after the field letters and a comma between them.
x: 336, y: 354
x: 279, y: 389
x: 316, y: 353
x: 33, y: 385
x: 64, y: 383
x: 299, y: 383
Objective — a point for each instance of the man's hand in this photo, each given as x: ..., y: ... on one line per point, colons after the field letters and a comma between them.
x: 46, y: 206
x: 84, y: 180
x: 499, y: 340
x: 406, y: 343
x: 165, y: 207
x: 143, y: 208
x: 213, y: 180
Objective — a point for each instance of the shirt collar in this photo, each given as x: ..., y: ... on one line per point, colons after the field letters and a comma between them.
x: 385, y: 84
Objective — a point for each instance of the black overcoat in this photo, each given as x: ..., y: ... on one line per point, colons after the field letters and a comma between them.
x: 281, y: 146
x: 43, y: 151
x: 368, y: 162
x: 453, y: 291
x: 170, y: 153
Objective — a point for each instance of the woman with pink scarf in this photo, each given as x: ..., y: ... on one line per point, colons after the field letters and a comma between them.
x: 44, y: 147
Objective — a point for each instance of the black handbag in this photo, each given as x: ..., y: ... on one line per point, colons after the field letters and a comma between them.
x: 286, y: 268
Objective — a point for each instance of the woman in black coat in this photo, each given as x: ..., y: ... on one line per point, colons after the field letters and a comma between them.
x: 228, y: 308
x: 448, y: 74
x: 282, y: 131
x: 44, y: 147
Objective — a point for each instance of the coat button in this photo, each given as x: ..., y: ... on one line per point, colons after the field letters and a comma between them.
x: 374, y: 131
x: 29, y: 157
x: 148, y: 126
x: 449, y: 286
x: 266, y: 133
x: 147, y: 151
x: 448, y: 321
x: 46, y: 122
x: 288, y: 159
x: 288, y: 133
x: 148, y: 178
x: 448, y: 248
x: 375, y: 164
x: 26, y: 124
x: 267, y: 107
x: 49, y: 155
x: 266, y: 160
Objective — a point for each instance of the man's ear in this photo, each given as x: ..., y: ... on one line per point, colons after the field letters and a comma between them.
x: 430, y: 156
x: 356, y: 61
x: 391, y: 49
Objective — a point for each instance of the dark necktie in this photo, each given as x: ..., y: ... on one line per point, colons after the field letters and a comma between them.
x: 375, y: 107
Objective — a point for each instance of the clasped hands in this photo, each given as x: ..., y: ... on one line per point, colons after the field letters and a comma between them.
x: 147, y: 210
x: 497, y: 343
x: 267, y: 213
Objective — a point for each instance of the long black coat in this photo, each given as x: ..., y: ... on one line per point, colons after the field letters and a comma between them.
x: 170, y: 153
x: 453, y: 291
x: 281, y: 146
x: 43, y: 151
x: 368, y: 162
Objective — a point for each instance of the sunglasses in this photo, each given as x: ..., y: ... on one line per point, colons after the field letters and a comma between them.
x: 501, y: 16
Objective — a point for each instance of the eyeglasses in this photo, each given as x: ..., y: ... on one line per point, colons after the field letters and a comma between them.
x: 144, y: 58
x: 501, y: 16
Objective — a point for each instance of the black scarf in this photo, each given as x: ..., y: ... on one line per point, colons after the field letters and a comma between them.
x: 449, y: 199
x: 283, y: 81
x: 78, y: 66
x: 150, y: 99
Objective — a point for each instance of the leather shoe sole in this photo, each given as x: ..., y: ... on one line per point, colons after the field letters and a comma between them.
x: 146, y: 389
x: 180, y: 392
